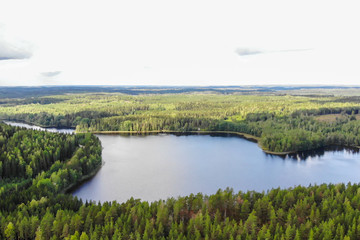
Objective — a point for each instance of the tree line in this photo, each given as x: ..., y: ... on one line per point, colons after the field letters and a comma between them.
x: 298, y: 132
x: 282, y: 123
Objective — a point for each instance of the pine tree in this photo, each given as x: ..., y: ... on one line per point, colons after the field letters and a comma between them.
x: 10, y: 231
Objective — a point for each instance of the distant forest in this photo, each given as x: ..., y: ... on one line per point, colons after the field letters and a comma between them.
x: 282, y: 119
x: 25, y: 92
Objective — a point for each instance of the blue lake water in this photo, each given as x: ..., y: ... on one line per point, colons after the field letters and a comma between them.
x: 160, y: 166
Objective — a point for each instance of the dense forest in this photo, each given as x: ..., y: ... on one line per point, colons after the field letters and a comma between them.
x: 281, y: 123
x: 37, y: 166
x: 39, y: 163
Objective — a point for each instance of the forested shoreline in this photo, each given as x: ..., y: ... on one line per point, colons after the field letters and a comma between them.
x: 281, y: 124
x: 37, y: 165
x: 43, y: 163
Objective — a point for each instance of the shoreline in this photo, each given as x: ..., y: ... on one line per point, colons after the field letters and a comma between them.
x: 36, y: 125
x: 246, y: 136
x: 243, y: 135
x: 67, y: 190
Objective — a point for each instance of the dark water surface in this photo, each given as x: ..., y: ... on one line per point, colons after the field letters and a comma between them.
x: 160, y: 166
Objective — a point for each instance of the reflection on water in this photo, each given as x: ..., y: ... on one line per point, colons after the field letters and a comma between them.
x: 153, y: 167
x: 320, y: 152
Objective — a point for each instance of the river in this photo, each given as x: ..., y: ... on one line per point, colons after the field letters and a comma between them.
x: 154, y: 167
x: 34, y: 127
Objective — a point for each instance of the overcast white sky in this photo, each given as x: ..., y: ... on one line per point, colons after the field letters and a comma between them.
x: 179, y: 42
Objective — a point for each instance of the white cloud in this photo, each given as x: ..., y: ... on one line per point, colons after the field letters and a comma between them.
x: 253, y: 51
x: 51, y: 74
x: 12, y: 48
x: 10, y: 51
x: 183, y: 43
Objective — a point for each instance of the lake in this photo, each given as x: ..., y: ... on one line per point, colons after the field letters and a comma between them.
x: 160, y: 166
x: 154, y: 167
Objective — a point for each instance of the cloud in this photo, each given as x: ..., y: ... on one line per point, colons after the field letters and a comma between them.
x: 9, y: 51
x: 249, y: 51
x: 50, y: 74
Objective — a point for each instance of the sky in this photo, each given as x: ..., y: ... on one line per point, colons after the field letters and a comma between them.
x: 165, y: 42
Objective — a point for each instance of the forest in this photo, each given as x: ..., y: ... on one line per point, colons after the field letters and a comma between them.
x: 36, y: 167
x: 281, y: 121
x: 37, y: 91
x: 43, y: 163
